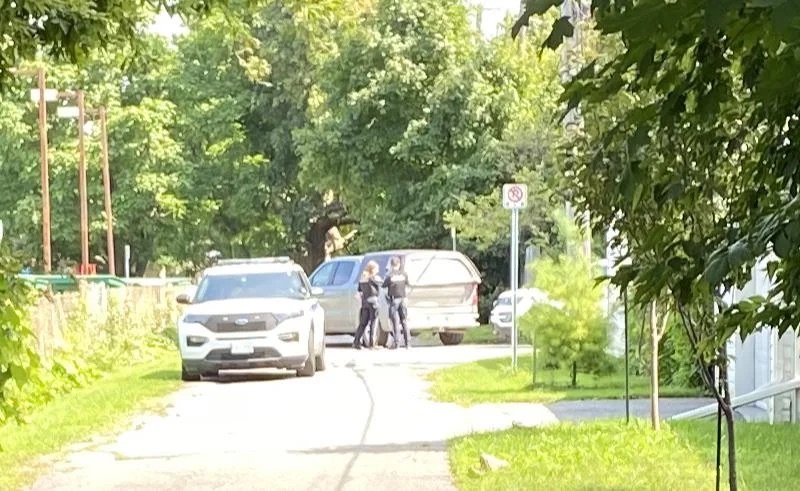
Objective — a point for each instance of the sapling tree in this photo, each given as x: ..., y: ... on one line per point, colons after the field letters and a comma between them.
x: 570, y: 329
x: 698, y: 166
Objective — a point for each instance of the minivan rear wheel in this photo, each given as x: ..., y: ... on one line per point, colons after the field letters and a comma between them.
x: 451, y: 338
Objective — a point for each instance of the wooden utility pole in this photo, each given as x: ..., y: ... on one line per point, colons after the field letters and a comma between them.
x: 84, y: 226
x: 45, y: 173
x: 112, y: 267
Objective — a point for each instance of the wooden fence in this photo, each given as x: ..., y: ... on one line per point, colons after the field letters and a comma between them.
x: 52, y: 315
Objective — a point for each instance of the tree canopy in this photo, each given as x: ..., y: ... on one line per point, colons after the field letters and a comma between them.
x: 261, y: 128
x: 71, y: 30
x: 707, y: 137
x: 690, y: 150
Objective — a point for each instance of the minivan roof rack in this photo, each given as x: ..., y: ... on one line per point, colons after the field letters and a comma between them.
x: 254, y: 260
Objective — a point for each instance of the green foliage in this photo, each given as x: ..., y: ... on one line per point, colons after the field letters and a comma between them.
x: 574, y: 333
x: 19, y: 362
x: 72, y: 29
x: 129, y: 331
x: 414, y: 92
x: 707, y: 152
x: 677, y: 360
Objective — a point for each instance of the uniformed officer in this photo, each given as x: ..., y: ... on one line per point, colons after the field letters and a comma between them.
x: 396, y: 284
x: 369, y: 285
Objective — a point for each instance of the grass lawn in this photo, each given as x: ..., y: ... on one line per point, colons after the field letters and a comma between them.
x: 611, y: 455
x: 492, y: 381
x: 766, y: 454
x: 105, y: 406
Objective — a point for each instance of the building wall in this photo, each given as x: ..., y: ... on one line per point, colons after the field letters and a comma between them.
x: 764, y: 358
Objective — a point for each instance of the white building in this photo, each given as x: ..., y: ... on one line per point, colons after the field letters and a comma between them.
x: 764, y: 359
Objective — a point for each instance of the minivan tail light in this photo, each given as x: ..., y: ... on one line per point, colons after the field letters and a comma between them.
x: 475, y: 295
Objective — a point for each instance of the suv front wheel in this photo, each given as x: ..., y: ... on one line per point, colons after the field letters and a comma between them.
x: 310, y: 367
x: 188, y: 376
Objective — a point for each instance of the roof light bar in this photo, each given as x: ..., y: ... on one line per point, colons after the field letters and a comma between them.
x: 254, y: 260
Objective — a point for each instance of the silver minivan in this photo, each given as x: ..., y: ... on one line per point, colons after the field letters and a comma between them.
x: 443, y: 294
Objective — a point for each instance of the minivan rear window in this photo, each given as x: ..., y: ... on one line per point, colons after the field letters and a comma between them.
x: 441, y: 270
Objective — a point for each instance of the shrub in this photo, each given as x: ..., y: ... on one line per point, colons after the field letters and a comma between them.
x: 104, y: 331
x: 573, y: 334
x: 19, y: 361
x: 676, y: 363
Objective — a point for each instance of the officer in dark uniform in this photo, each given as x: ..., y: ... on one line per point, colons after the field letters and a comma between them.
x: 369, y: 285
x: 396, y: 284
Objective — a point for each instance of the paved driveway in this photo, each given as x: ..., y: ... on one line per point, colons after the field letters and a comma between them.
x: 365, y: 423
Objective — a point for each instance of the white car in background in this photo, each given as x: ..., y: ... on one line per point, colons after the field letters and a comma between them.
x: 252, y: 313
x: 501, y: 315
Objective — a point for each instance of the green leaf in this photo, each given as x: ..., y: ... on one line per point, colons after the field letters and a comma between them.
x: 561, y: 28
x: 639, y: 139
x: 786, y: 19
x: 717, y: 10
x: 781, y: 245
x: 738, y: 254
x: 19, y: 374
x: 677, y: 263
x: 765, y: 3
x: 772, y: 268
x: 532, y: 7
x: 717, y: 269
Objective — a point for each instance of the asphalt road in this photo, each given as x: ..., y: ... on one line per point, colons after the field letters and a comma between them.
x: 365, y: 423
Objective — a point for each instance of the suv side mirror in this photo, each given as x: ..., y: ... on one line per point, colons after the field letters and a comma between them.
x: 317, y: 291
x: 183, y: 299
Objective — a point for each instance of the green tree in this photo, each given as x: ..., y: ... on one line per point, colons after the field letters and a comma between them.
x: 711, y: 136
x: 571, y: 331
x: 399, y: 76
x: 297, y: 39
x: 72, y: 30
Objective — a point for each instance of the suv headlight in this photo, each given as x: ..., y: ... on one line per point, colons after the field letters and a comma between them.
x: 195, y: 341
x: 195, y: 319
x: 283, y: 316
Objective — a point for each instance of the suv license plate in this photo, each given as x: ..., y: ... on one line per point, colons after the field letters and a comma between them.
x: 241, y: 349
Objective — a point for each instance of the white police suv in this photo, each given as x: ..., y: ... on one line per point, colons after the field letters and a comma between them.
x: 252, y: 313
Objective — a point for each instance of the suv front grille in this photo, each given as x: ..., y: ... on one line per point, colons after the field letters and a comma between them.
x: 222, y: 354
x: 240, y: 323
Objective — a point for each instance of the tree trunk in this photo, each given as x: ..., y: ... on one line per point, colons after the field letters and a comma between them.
x: 654, y: 339
x: 316, y: 242
x: 574, y: 374
x: 334, y: 215
x: 728, y: 411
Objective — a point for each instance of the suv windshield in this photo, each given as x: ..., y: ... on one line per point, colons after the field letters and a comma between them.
x: 251, y: 285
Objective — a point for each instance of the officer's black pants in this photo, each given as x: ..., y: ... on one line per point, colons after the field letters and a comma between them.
x: 398, y: 313
x: 367, y: 317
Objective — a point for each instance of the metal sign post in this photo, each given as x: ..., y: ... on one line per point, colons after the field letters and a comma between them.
x: 127, y: 261
x: 515, y: 198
